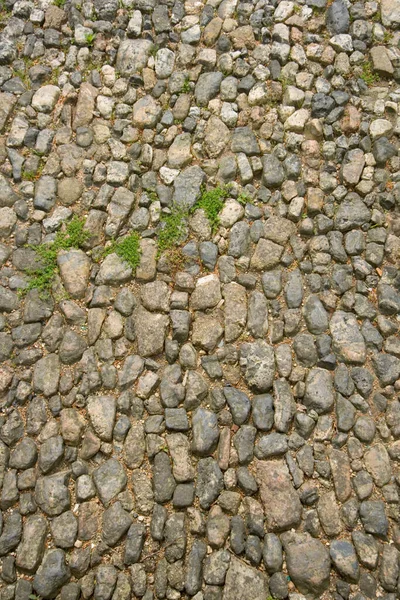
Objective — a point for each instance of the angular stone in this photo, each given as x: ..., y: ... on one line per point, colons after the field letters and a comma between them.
x: 52, y: 574
x: 150, y: 331
x: 245, y: 582
x: 187, y: 186
x: 281, y: 501
x: 347, y: 340
x: 110, y: 479
x: 258, y: 365
x: 319, y: 393
x: 32, y: 546
x: 267, y: 255
x: 235, y: 310
x: 146, y: 112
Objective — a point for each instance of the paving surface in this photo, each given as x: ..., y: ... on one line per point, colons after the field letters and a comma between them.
x: 200, y: 299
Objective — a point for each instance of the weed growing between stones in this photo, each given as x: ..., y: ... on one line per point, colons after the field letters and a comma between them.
x: 173, y: 228
x: 367, y: 75
x: 212, y: 202
x: 42, y: 276
x: 128, y: 249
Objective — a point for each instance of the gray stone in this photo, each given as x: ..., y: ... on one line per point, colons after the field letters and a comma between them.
x: 52, y: 574
x: 187, y: 186
x: 245, y: 582
x: 308, y: 563
x: 133, y: 55
x: 110, y: 479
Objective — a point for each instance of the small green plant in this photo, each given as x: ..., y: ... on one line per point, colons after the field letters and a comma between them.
x: 128, y: 249
x: 90, y: 37
x: 244, y: 199
x: 367, y: 75
x: 186, y: 89
x: 59, y: 3
x: 29, y: 175
x: 153, y: 50
x: 387, y: 36
x: 173, y: 228
x: 42, y: 276
x: 212, y: 202
x: 34, y: 597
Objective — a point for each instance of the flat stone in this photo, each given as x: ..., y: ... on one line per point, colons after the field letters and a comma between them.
x: 281, y: 501
x: 245, y: 582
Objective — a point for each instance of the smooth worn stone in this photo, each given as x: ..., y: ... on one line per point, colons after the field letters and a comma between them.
x: 319, y: 393
x: 308, y: 563
x: 205, y: 432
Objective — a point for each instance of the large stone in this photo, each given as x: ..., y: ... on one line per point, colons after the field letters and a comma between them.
x: 281, y: 501
x: 258, y: 365
x: 52, y: 494
x: 187, y: 186
x: 347, y: 340
x: 132, y: 56
x: 319, y: 394
x: 83, y: 114
x: 235, y: 311
x: 146, y: 112
x: 352, y: 166
x: 267, y: 255
x: 32, y: 546
x: 308, y: 563
x: 150, y: 331
x: 217, y: 137
x: 110, y: 479
x: 46, y: 375
x: 390, y: 12
x: 101, y: 411
x: 337, y: 17
x: 244, y: 582
x: 74, y: 268
x: 207, y: 87
x: 45, y: 99
x: 52, y: 574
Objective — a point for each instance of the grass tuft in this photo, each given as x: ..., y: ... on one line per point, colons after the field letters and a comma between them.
x: 128, y: 249
x: 42, y: 277
x: 173, y: 228
x: 367, y: 75
x: 212, y: 202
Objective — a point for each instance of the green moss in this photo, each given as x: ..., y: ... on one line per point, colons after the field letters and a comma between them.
x: 367, y: 75
x: 59, y: 3
x: 186, y: 89
x: 128, y: 249
x: 173, y: 228
x: 244, y: 199
x: 212, y: 202
x: 42, y: 277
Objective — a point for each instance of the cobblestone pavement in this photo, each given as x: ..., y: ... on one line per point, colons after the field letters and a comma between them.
x: 199, y: 299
